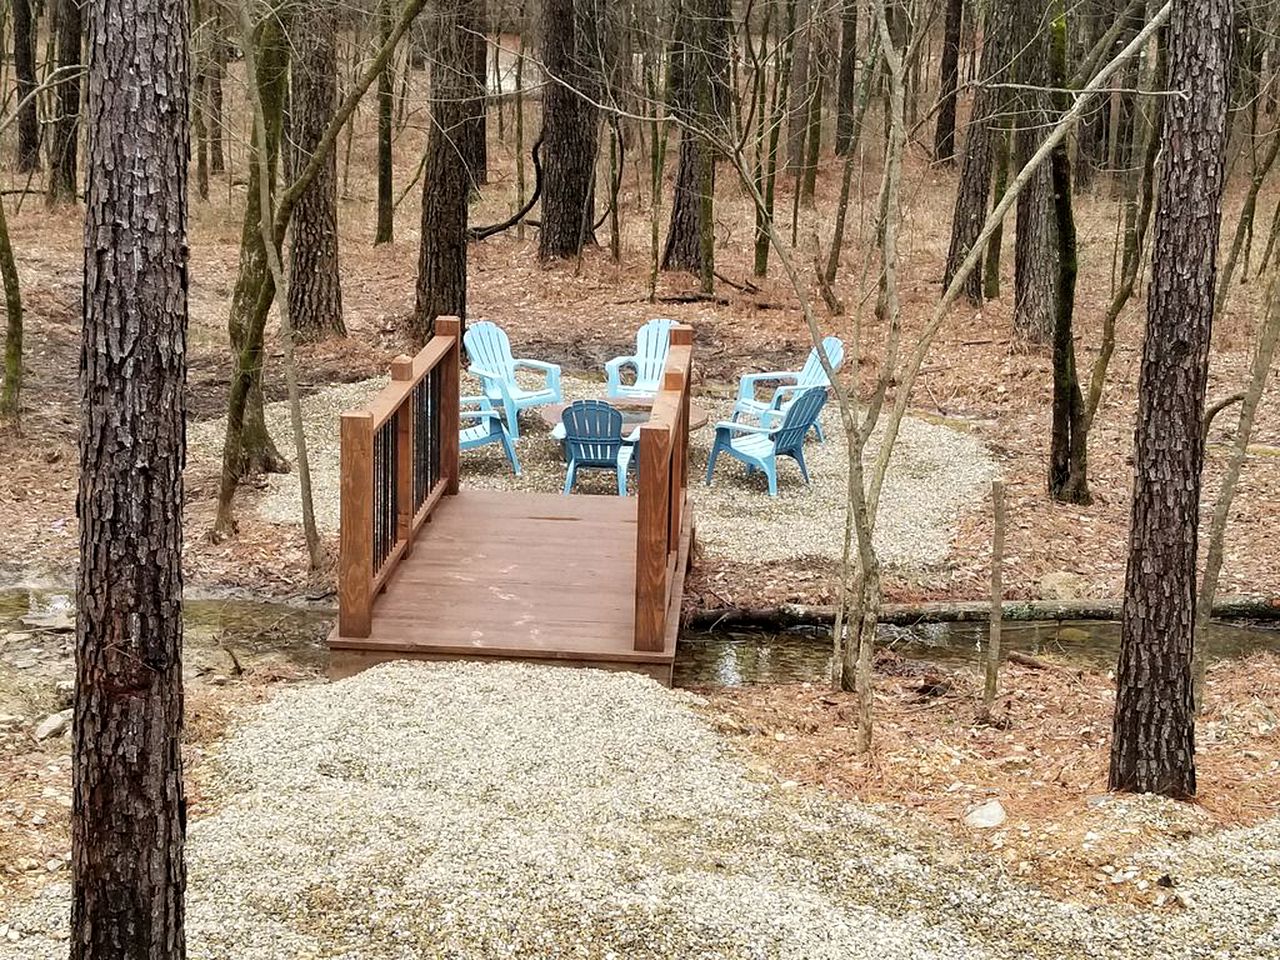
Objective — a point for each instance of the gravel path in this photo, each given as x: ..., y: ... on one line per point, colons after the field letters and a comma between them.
x: 936, y: 473
x: 464, y: 810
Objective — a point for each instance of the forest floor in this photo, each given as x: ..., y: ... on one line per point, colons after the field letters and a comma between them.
x: 979, y: 379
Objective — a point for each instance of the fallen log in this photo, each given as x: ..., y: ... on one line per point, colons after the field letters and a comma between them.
x: 976, y: 611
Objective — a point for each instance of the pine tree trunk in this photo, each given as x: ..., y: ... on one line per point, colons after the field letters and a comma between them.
x: 975, y: 171
x: 683, y: 250
x: 846, y: 97
x: 63, y: 180
x: 473, y: 141
x: 442, y: 258
x: 315, y: 289
x: 129, y: 814
x: 944, y: 133
x: 24, y: 65
x: 801, y: 89
x: 1153, y: 737
x: 385, y: 229
x: 1035, y: 257
x: 11, y: 392
x: 570, y: 127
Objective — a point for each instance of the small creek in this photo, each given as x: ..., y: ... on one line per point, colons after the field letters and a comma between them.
x: 735, y: 659
x: 37, y: 641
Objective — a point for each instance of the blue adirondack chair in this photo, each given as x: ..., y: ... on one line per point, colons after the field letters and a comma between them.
x: 593, y: 438
x: 484, y: 426
x: 759, y: 447
x: 811, y: 375
x: 652, y: 342
x: 491, y: 360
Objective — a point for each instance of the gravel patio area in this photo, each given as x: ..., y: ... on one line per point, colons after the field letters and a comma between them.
x: 477, y: 811
x: 936, y: 473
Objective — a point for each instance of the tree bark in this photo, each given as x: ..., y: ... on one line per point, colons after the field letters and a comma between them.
x: 570, y: 126
x: 800, y: 90
x: 217, y: 72
x: 975, y: 170
x: 63, y: 180
x: 385, y: 229
x: 446, y: 181
x: 473, y: 139
x: 315, y: 287
x: 128, y: 821
x: 11, y: 393
x: 846, y: 96
x: 24, y: 66
x: 944, y: 133
x: 1153, y: 738
x: 1068, y: 452
x: 1035, y: 274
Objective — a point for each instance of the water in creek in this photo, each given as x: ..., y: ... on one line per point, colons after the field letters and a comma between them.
x: 36, y: 639
x: 729, y: 660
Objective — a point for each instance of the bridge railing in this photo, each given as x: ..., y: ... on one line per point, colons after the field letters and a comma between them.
x: 399, y: 457
x: 663, y: 495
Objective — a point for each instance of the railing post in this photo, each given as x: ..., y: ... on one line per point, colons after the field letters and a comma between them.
x: 449, y: 401
x: 674, y: 381
x: 402, y: 372
x: 355, y: 566
x: 651, y: 537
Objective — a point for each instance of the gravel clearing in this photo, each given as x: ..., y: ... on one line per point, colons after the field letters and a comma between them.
x: 936, y: 473
x: 469, y: 810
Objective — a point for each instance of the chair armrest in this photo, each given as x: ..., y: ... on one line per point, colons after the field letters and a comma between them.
x: 613, y: 370
x: 479, y: 415
x: 731, y: 426
x: 492, y: 378
x: 747, y: 385
x: 552, y: 371
x: 484, y: 403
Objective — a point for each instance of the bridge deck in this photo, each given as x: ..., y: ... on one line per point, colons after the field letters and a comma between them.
x: 536, y: 577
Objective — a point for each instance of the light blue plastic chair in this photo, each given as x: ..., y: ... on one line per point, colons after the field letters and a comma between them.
x: 653, y: 340
x: 593, y: 438
x: 484, y: 426
x: 760, y: 447
x: 812, y: 375
x: 490, y: 353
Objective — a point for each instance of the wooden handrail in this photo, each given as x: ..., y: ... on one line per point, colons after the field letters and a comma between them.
x: 399, y: 456
x: 664, y: 457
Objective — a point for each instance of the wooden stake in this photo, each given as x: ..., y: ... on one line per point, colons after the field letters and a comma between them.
x: 997, y: 601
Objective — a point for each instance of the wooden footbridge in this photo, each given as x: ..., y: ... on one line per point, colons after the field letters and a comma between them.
x: 432, y: 570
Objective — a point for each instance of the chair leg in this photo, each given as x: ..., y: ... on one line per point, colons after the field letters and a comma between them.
x: 622, y: 480
x: 711, y: 460
x: 510, y: 448
x: 771, y: 472
x: 804, y: 470
x: 817, y: 429
x: 513, y: 419
x: 570, y: 470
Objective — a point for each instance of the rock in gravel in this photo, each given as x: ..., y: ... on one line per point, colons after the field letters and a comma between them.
x: 986, y: 816
x: 53, y: 725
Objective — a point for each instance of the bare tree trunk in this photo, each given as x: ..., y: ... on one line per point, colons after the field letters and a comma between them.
x: 63, y: 180
x: 944, y: 134
x: 801, y: 88
x: 128, y: 821
x: 217, y: 72
x: 24, y: 63
x: 1068, y: 452
x: 1153, y: 741
x: 1245, y: 224
x: 848, y: 82
x: 442, y: 258
x: 1036, y: 242
x: 11, y: 394
x: 473, y: 137
x: 385, y: 229
x: 315, y: 286
x: 570, y: 126
x: 975, y: 170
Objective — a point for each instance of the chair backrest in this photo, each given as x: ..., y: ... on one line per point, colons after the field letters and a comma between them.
x: 489, y: 349
x: 800, y: 417
x: 813, y: 375
x: 653, y: 340
x: 592, y: 432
